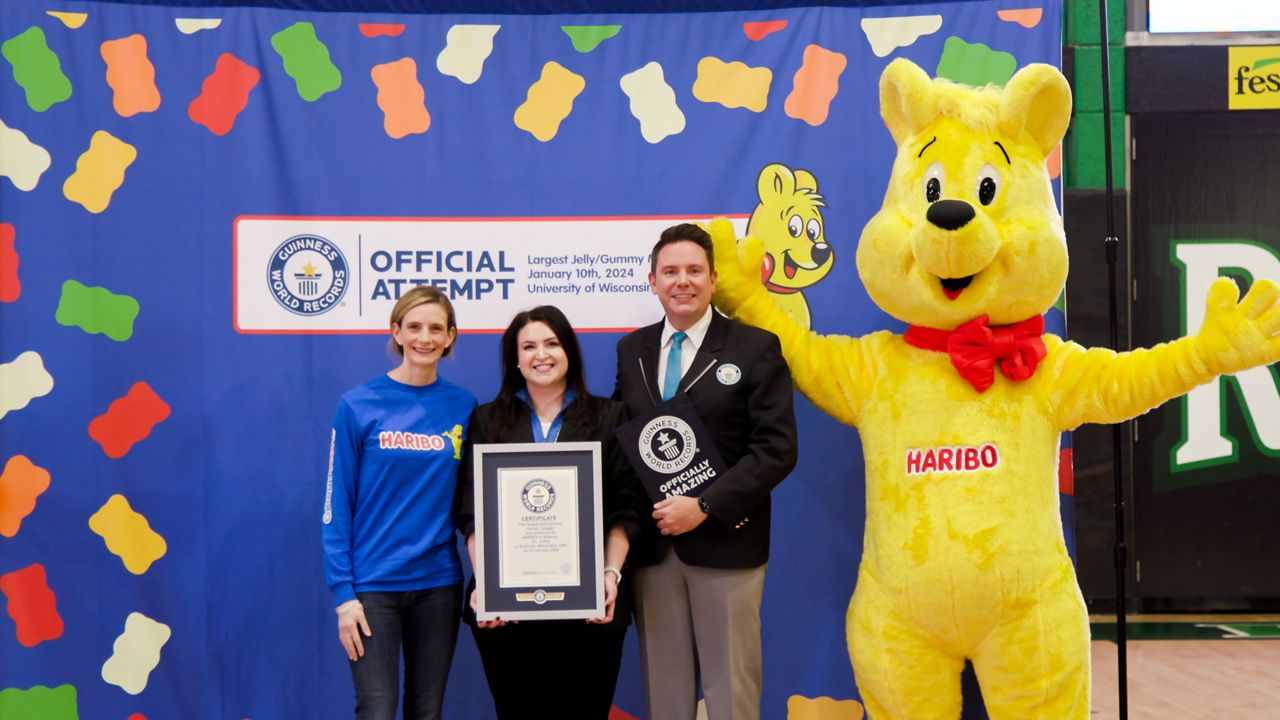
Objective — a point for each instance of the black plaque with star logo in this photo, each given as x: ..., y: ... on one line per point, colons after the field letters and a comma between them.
x: 671, y: 450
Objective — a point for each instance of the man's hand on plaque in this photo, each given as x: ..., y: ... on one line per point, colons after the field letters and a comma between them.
x: 678, y: 514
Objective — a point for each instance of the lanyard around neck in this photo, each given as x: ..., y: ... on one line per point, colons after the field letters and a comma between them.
x: 553, y: 432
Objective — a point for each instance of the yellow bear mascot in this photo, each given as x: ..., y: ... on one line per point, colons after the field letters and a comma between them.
x: 960, y: 417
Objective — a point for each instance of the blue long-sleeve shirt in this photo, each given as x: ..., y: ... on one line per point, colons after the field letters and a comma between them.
x: 394, y: 456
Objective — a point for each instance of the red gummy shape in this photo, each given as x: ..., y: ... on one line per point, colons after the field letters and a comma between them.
x: 32, y: 605
x: 224, y: 94
x: 1066, y: 473
x: 10, y: 287
x: 616, y: 713
x: 137, y: 716
x: 758, y: 30
x: 128, y: 420
x: 373, y: 30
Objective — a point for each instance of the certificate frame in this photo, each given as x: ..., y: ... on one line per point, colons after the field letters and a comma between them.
x: 539, y: 531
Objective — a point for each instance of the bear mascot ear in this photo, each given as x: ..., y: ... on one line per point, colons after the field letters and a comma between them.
x: 1037, y: 99
x: 806, y: 181
x: 907, y: 103
x: 775, y: 181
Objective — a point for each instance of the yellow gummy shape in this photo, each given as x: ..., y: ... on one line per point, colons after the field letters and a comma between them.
x: 136, y: 653
x: 733, y: 85
x: 128, y: 535
x: 70, y: 19
x: 800, y: 707
x: 549, y: 102
x: 99, y: 172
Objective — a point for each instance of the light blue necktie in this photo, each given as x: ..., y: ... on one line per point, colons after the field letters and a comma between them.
x: 672, y: 382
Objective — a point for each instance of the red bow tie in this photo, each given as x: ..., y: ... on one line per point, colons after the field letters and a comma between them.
x: 975, y: 348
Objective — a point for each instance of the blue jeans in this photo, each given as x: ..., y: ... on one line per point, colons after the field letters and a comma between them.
x: 425, y: 623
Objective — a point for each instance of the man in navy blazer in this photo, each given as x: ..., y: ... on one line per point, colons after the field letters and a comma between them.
x: 700, y: 564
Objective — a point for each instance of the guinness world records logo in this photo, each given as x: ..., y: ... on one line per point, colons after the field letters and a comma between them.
x: 667, y: 444
x: 307, y: 275
x: 538, y: 496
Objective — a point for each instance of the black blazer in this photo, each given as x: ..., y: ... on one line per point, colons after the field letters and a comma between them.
x: 751, y: 420
x: 623, y: 499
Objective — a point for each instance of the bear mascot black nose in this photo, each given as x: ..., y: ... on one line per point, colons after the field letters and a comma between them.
x: 950, y: 214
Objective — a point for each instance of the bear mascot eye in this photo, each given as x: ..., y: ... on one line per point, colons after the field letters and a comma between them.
x: 795, y: 226
x: 988, y: 184
x: 813, y: 229
x: 934, y: 176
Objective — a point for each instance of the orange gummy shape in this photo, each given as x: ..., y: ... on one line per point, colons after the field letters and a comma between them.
x: 20, y: 484
x: 1027, y: 18
x: 815, y: 85
x: 401, y: 98
x: 131, y: 75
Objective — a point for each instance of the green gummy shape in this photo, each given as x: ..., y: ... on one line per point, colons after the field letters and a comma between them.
x: 974, y: 64
x: 97, y: 311
x: 306, y: 60
x: 1061, y: 302
x: 39, y: 702
x: 36, y: 69
x: 586, y: 38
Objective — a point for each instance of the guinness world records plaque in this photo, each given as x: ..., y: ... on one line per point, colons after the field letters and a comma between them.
x: 539, y: 531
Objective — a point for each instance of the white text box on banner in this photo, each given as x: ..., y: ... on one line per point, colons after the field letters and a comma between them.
x: 335, y: 275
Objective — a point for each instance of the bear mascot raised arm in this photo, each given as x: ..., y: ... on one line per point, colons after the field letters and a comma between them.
x: 961, y: 416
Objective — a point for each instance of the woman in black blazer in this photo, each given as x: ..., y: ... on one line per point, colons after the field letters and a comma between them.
x: 555, y: 668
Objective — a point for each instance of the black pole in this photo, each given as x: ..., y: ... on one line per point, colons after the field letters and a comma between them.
x: 1117, y: 441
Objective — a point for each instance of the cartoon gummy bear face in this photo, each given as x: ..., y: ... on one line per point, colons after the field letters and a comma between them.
x: 969, y: 226
x: 789, y: 222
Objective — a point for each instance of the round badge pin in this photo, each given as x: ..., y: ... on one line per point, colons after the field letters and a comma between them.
x: 728, y: 374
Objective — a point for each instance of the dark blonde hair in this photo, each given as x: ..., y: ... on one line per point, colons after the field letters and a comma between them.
x: 422, y: 295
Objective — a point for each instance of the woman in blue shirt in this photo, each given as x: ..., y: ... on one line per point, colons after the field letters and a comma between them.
x: 555, y: 668
x: 390, y: 557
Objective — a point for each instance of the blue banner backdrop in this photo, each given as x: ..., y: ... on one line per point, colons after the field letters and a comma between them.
x: 131, y: 146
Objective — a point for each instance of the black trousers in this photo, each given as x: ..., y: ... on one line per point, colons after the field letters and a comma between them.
x: 551, y: 668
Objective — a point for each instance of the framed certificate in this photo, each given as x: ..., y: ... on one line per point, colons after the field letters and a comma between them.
x: 539, y: 531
